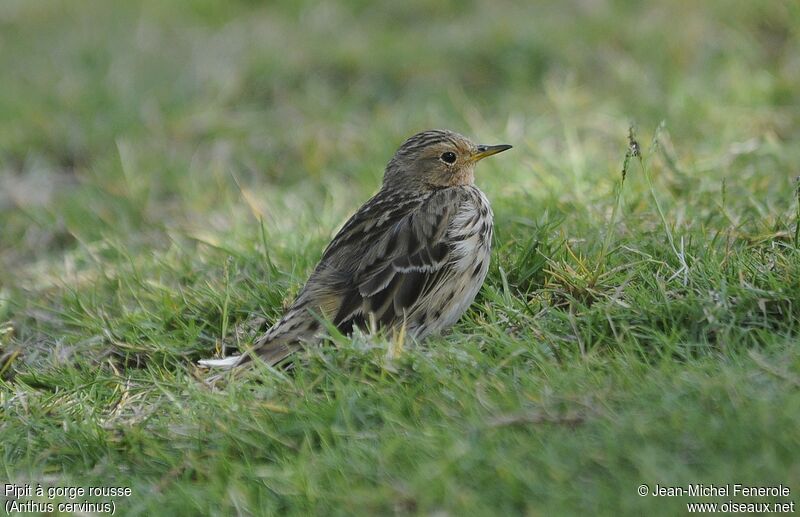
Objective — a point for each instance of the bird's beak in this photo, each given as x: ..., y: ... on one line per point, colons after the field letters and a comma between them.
x: 482, y: 151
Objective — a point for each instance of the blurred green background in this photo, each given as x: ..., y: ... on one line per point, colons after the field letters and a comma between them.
x: 126, y: 117
x: 168, y: 169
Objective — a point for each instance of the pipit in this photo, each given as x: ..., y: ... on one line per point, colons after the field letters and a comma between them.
x: 411, y: 259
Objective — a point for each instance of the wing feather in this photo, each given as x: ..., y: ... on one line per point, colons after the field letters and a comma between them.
x: 391, y: 267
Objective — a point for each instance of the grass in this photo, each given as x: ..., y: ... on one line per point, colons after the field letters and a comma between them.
x: 168, y: 170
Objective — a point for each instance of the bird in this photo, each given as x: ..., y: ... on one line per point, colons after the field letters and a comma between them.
x: 411, y: 259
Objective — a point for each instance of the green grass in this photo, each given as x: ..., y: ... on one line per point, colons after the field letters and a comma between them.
x: 169, y: 169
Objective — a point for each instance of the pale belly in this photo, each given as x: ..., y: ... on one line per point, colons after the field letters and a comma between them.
x: 471, y: 235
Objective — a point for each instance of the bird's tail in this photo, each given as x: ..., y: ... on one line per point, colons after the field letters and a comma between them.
x: 223, y: 364
x: 276, y: 345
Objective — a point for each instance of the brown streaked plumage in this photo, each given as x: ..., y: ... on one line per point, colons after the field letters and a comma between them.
x: 413, y: 256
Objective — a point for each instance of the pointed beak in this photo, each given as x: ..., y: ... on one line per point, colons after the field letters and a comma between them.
x: 482, y: 151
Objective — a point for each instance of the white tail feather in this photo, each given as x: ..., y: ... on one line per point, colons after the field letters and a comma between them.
x: 225, y: 363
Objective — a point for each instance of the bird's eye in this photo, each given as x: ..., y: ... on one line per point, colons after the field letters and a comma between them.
x: 448, y: 157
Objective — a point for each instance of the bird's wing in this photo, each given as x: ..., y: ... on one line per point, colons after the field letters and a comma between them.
x: 388, y: 257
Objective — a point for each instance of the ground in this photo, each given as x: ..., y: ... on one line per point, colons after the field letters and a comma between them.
x: 169, y: 169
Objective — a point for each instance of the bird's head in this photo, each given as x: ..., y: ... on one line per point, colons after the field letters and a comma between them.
x: 437, y: 158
